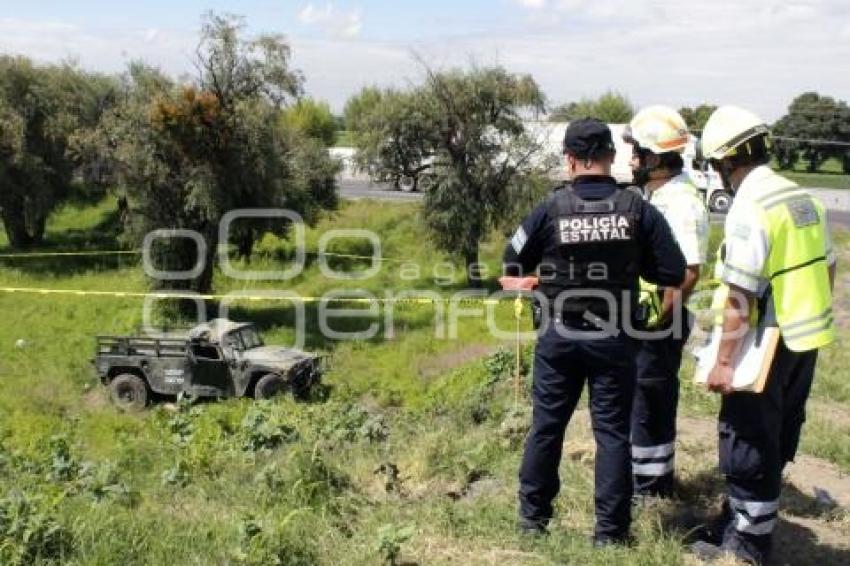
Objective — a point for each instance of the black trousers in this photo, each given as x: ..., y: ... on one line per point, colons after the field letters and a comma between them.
x: 561, y: 368
x: 758, y: 436
x: 654, y: 410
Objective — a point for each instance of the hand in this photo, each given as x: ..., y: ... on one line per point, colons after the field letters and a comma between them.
x: 720, y: 379
x: 519, y: 283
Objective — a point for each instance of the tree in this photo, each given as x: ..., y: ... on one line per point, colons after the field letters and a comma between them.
x: 696, y: 118
x: 805, y: 131
x: 395, y: 139
x: 612, y: 107
x: 361, y: 105
x: 464, y: 132
x: 187, y: 154
x: 312, y: 119
x: 42, y: 110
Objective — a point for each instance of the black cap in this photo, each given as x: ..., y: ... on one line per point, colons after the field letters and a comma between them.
x: 588, y: 138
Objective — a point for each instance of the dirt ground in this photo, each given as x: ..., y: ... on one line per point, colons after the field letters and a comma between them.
x: 814, y: 525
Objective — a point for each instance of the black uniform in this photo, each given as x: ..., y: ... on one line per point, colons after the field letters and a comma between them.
x: 593, y: 237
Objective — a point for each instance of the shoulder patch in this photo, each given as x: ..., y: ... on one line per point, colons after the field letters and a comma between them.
x: 519, y: 240
x: 803, y: 212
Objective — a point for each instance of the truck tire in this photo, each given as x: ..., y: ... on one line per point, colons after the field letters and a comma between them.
x: 270, y: 385
x: 720, y: 202
x: 129, y: 392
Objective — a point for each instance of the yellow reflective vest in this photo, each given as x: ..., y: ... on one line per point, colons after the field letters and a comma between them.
x: 796, y: 267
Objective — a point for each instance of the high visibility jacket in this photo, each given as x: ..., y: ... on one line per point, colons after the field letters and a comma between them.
x: 683, y: 208
x: 794, y: 276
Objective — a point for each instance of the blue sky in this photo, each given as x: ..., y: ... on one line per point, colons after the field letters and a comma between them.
x: 757, y: 54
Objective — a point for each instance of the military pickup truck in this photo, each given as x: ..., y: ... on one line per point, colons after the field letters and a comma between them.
x: 220, y: 358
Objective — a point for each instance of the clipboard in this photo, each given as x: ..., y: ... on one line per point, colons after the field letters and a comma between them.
x: 753, y: 363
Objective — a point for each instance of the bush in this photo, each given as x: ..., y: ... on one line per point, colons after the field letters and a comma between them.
x: 29, y: 531
x: 274, y: 542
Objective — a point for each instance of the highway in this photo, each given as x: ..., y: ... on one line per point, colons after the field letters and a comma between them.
x: 837, y: 203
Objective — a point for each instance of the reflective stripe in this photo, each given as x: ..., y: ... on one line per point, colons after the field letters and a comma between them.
x: 755, y: 508
x: 659, y: 451
x: 731, y: 267
x: 519, y: 240
x: 745, y: 525
x: 825, y: 325
x: 654, y: 469
x: 779, y: 192
x: 808, y: 321
x: 784, y: 199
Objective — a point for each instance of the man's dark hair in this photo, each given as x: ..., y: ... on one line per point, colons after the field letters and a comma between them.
x: 671, y: 160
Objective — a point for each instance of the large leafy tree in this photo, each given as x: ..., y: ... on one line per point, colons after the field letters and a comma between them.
x: 43, y: 110
x: 395, y: 138
x: 187, y: 154
x: 463, y: 131
x: 805, y: 131
x: 611, y: 107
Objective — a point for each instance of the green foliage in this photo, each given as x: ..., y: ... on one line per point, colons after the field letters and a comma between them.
x: 323, y: 497
x: 43, y: 111
x: 262, y: 429
x: 390, y: 540
x: 351, y: 423
x: 360, y: 106
x: 696, y: 117
x: 187, y: 154
x: 312, y: 119
x: 462, y: 134
x: 30, y: 532
x: 274, y: 541
x: 611, y: 107
x: 394, y: 135
x: 812, y: 116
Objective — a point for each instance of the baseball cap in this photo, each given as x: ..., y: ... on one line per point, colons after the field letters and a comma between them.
x: 587, y: 138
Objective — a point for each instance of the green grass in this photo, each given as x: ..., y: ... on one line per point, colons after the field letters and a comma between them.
x: 237, y: 482
x: 829, y: 176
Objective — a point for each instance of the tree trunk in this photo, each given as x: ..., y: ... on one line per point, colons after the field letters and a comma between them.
x: 16, y: 230
x: 37, y: 229
x: 473, y: 275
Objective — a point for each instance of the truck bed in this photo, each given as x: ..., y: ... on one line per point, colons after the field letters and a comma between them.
x: 141, y: 346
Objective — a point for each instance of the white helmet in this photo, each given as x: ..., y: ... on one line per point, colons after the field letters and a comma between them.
x: 727, y: 128
x: 660, y: 129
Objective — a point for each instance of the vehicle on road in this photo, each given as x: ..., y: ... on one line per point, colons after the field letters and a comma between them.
x: 550, y: 136
x: 219, y: 359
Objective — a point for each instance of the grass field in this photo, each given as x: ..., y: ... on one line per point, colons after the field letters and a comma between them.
x: 830, y: 176
x: 412, y: 459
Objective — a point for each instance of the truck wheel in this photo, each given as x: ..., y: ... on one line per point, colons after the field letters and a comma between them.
x: 269, y: 386
x: 720, y: 202
x: 129, y: 392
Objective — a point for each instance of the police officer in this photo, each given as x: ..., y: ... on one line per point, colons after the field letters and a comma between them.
x: 659, y: 135
x: 778, y: 266
x: 589, y: 242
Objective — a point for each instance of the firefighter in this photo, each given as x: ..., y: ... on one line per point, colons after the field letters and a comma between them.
x: 778, y: 268
x: 659, y: 135
x: 589, y: 242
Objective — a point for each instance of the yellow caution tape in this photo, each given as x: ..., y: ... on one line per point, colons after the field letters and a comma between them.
x: 236, y: 295
x: 83, y: 253
x: 71, y: 254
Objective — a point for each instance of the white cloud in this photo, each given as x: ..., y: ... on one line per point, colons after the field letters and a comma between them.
x: 758, y: 54
x: 332, y: 20
x: 531, y: 4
